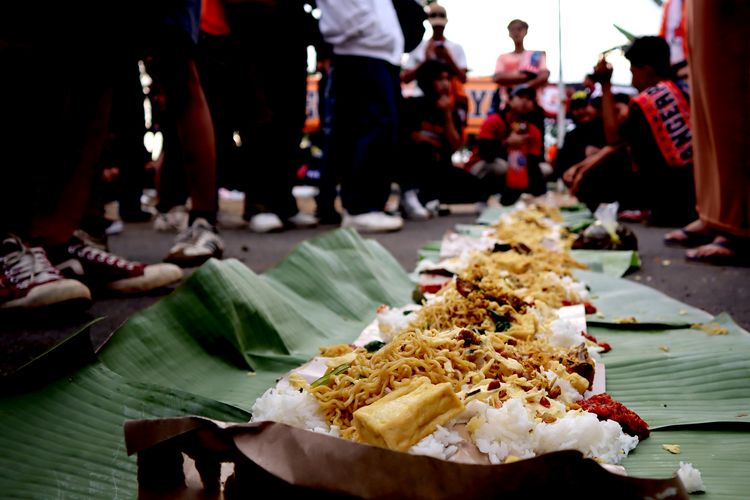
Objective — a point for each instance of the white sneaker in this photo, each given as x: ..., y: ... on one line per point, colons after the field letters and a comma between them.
x: 174, y: 221
x: 412, y: 207
x: 265, y: 223
x: 303, y: 220
x: 373, y: 222
x: 116, y: 227
x: 433, y: 207
x: 196, y: 245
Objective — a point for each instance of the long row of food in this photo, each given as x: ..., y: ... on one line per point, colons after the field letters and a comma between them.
x: 492, y: 365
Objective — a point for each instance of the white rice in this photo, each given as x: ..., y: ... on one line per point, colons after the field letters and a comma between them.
x: 599, y: 439
x: 294, y: 407
x: 510, y: 431
x: 568, y: 393
x: 455, y: 245
x: 441, y: 444
x: 564, y: 333
x: 690, y: 477
x: 392, y: 320
x: 575, y: 287
x: 425, y: 265
x: 503, y: 431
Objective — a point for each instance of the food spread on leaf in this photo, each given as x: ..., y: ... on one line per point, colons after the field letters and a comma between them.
x: 493, y: 365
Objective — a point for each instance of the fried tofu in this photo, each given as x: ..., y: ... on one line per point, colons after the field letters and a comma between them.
x: 407, y: 415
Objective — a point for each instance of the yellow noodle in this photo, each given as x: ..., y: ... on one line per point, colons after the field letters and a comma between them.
x: 454, y: 339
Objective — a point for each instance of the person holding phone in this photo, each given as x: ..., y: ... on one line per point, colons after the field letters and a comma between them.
x: 437, y: 47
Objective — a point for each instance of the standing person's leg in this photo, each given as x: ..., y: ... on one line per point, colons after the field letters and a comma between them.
x: 276, y: 152
x: 329, y: 170
x: 719, y: 59
x: 35, y: 96
x: 367, y: 123
x: 83, y: 131
x: 213, y: 61
x: 196, y: 135
x: 186, y: 104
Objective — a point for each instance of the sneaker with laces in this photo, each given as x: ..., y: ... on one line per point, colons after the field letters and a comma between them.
x: 174, y: 221
x: 195, y: 245
x: 302, y: 220
x: 412, y: 207
x: 90, y: 262
x: 265, y: 222
x: 28, y: 280
x: 373, y: 222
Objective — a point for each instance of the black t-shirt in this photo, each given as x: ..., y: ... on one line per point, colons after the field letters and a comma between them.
x: 668, y: 191
x: 573, y: 150
x: 418, y: 114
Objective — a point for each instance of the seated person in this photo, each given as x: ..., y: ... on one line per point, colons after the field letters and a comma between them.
x: 507, y: 138
x: 656, y: 132
x: 525, y: 146
x: 595, y: 172
x: 514, y: 135
x: 431, y: 132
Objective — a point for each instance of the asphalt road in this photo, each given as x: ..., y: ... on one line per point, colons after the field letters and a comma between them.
x: 22, y: 337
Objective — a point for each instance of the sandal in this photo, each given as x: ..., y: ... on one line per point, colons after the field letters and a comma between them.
x: 721, y: 251
x: 686, y: 238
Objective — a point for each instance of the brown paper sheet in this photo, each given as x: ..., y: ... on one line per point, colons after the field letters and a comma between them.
x: 268, y: 456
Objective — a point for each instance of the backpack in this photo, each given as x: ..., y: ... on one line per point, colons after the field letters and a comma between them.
x: 411, y: 17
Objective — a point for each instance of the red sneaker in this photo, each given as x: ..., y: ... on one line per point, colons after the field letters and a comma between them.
x: 28, y: 280
x: 90, y: 262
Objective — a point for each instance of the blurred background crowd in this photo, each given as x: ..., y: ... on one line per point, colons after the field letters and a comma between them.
x: 150, y: 111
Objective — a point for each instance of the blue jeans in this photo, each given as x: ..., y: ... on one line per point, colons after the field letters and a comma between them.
x: 362, y: 114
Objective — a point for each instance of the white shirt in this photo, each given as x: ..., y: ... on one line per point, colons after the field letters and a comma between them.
x: 367, y: 28
x: 419, y: 55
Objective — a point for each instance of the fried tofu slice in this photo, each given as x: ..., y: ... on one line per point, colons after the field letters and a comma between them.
x: 407, y: 415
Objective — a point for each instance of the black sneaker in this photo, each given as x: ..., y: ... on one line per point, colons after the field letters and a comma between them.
x: 90, y: 262
x: 28, y: 280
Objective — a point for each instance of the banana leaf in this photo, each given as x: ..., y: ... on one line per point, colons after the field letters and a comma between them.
x: 490, y: 215
x: 610, y: 262
x: 722, y: 456
x: 430, y: 251
x: 475, y: 230
x: 629, y: 304
x: 680, y: 377
x: 238, y: 331
x: 65, y: 439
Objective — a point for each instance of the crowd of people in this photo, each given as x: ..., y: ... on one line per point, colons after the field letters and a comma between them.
x: 229, y: 87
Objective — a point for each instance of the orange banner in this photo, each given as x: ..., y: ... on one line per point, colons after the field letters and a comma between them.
x: 479, y: 90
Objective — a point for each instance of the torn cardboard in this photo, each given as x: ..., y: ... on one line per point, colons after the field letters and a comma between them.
x: 240, y: 460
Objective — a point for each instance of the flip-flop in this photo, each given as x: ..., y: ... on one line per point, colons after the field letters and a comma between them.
x: 736, y: 257
x: 690, y: 238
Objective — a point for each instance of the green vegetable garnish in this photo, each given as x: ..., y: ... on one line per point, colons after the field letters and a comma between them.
x: 501, y: 322
x: 324, y: 379
x: 374, y: 346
